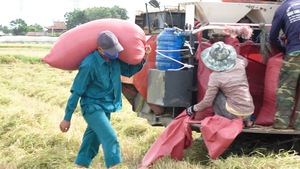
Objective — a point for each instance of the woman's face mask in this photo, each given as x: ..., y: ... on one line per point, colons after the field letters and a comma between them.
x: 111, y: 56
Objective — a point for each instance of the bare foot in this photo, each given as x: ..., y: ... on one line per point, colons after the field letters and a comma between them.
x: 250, y: 123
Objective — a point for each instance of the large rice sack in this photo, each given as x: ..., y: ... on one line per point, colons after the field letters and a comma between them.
x: 267, y: 112
x: 72, y: 46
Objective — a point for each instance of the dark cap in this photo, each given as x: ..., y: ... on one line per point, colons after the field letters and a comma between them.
x: 109, y: 43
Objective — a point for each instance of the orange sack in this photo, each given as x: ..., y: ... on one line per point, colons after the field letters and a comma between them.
x: 72, y: 46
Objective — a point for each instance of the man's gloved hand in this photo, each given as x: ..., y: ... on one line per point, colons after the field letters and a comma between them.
x: 190, y: 110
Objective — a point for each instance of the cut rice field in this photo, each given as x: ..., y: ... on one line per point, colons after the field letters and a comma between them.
x: 32, y: 101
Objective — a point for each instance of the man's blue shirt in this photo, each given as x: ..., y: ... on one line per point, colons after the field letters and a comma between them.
x: 287, y: 18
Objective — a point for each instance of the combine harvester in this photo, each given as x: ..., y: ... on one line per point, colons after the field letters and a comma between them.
x: 166, y: 86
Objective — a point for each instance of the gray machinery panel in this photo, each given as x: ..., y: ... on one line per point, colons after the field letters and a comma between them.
x: 170, y: 88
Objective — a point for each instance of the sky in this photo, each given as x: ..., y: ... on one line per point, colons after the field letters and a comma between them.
x: 45, y: 12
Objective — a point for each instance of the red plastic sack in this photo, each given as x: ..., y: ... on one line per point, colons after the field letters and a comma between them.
x: 75, y: 44
x: 267, y: 112
x: 176, y: 137
x: 218, y: 133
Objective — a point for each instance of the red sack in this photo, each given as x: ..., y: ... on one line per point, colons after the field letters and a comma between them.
x: 218, y: 133
x: 267, y: 112
x: 176, y: 137
x: 75, y: 44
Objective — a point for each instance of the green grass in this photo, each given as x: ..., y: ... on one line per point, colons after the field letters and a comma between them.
x: 32, y: 102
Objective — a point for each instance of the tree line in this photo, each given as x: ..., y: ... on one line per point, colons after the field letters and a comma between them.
x: 72, y: 19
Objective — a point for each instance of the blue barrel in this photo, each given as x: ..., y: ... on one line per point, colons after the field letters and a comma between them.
x: 169, y: 43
